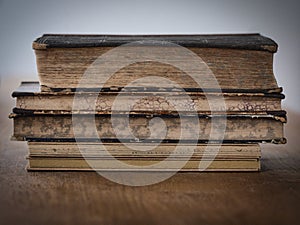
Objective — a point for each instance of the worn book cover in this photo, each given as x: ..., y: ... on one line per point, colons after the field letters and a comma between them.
x: 29, y: 97
x: 236, y: 61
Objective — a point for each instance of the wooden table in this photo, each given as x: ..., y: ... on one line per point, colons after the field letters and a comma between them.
x: 268, y: 197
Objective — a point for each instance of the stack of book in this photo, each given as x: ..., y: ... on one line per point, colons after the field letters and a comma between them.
x: 73, y: 123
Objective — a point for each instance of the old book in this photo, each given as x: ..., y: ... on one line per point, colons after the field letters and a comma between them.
x: 139, y: 165
x: 237, y: 61
x: 30, y: 98
x: 140, y: 150
x: 257, y: 128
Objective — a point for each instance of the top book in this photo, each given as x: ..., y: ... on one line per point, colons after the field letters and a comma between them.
x: 233, y: 61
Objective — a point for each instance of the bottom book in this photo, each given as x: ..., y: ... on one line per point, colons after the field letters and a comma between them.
x: 72, y: 156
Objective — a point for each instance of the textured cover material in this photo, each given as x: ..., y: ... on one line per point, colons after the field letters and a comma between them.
x: 234, y: 41
x: 255, y: 128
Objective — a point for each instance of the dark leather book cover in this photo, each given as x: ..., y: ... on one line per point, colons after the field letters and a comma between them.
x: 234, y: 41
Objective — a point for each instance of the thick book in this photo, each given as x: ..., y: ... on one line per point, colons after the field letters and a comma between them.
x: 30, y: 98
x: 237, y: 61
x: 243, y: 128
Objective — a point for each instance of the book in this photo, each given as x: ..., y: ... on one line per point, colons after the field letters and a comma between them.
x: 141, y: 165
x: 140, y: 150
x: 30, y: 98
x: 257, y: 128
x: 90, y: 156
x: 237, y: 61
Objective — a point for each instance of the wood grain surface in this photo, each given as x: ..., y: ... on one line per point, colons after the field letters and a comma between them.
x: 268, y: 197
